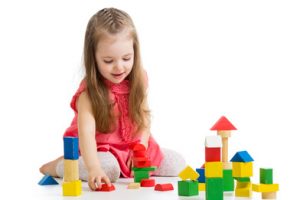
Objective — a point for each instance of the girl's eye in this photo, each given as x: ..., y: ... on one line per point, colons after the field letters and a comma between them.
x: 126, y: 59
x: 108, y: 61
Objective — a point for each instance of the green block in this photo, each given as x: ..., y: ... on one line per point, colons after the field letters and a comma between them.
x: 144, y: 169
x: 188, y: 188
x: 214, y: 188
x: 242, y: 179
x: 266, y: 175
x: 228, y: 181
x: 140, y: 175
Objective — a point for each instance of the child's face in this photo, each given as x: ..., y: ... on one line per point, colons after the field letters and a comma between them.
x: 115, y: 56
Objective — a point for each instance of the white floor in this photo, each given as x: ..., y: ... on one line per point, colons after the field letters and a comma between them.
x: 122, y: 193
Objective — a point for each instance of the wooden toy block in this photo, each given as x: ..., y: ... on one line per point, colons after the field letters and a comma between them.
x: 201, y: 172
x: 147, y: 183
x: 188, y: 173
x: 134, y: 186
x: 142, y: 164
x: 140, y: 159
x: 212, y: 154
x: 140, y: 175
x: 139, y: 154
x: 164, y: 187
x: 241, y: 169
x: 223, y: 124
x: 242, y: 179
x: 72, y: 188
x: 213, y: 169
x: 71, y: 170
x: 214, y: 188
x: 153, y: 168
x: 201, y: 186
x: 71, y: 148
x: 242, y: 156
x: 266, y: 175
x: 188, y: 188
x: 106, y: 188
x: 48, y: 180
x: 268, y: 195
x: 265, y: 187
x: 138, y: 147
x: 213, y: 141
x: 243, y: 189
x: 228, y: 181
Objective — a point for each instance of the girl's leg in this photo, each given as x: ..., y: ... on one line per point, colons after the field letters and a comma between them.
x: 172, y: 164
x: 109, y: 164
x: 50, y: 167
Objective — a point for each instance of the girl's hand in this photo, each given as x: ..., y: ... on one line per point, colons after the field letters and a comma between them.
x: 96, y: 176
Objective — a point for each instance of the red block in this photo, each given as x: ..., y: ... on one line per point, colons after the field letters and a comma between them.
x: 106, y: 188
x: 147, y: 183
x: 212, y: 154
x: 142, y: 164
x: 164, y: 187
x: 139, y: 147
x: 139, y: 154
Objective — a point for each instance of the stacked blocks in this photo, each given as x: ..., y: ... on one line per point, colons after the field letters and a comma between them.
x: 71, y: 184
x: 266, y: 186
x: 242, y: 171
x: 188, y: 186
x: 213, y: 168
x: 142, y: 166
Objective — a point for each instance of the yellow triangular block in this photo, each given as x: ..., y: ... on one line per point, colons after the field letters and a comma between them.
x: 188, y: 173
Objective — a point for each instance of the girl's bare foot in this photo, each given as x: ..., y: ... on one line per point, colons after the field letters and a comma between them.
x: 50, y: 167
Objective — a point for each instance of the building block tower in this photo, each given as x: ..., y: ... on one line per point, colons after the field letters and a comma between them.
x: 242, y: 170
x: 223, y: 127
x: 188, y: 186
x: 266, y: 186
x: 71, y: 184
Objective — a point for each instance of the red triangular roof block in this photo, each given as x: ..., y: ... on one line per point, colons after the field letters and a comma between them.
x: 223, y: 124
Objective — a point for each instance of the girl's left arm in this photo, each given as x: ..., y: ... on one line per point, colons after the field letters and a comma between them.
x: 145, y: 137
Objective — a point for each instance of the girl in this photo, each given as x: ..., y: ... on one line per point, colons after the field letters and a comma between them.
x: 110, y: 106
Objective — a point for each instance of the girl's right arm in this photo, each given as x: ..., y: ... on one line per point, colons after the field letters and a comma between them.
x: 87, y: 142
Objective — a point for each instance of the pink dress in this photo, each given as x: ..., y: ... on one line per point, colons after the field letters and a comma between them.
x: 118, y: 141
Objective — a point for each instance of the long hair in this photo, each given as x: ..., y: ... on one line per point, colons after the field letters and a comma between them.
x: 113, y: 21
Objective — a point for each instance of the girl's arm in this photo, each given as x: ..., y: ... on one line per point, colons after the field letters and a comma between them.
x: 87, y: 142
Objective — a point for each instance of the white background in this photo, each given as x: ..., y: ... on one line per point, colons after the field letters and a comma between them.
x: 204, y: 59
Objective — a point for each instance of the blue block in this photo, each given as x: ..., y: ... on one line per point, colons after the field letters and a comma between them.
x: 71, y: 148
x: 48, y: 180
x: 201, y: 172
x: 242, y: 156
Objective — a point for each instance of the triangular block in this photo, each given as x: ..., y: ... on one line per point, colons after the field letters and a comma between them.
x: 242, y: 156
x: 48, y: 180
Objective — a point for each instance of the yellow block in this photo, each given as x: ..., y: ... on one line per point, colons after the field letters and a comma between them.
x: 241, y: 169
x: 213, y: 169
x: 134, y: 186
x: 71, y: 171
x: 243, y: 189
x: 188, y: 173
x: 72, y: 188
x: 265, y: 187
x: 201, y: 186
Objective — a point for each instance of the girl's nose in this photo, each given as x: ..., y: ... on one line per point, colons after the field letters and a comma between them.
x: 118, y: 66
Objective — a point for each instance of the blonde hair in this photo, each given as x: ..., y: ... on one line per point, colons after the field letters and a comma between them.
x: 113, y: 21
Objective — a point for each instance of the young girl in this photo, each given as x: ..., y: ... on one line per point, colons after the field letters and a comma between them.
x: 110, y: 106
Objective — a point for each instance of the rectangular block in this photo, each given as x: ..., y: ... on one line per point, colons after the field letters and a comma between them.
x: 243, y: 189
x: 201, y: 186
x: 228, y: 180
x: 212, y: 154
x: 71, y: 148
x: 213, y: 169
x: 214, y: 188
x: 71, y: 170
x: 268, y: 195
x: 242, y: 169
x: 265, y: 187
x: 140, y: 175
x: 188, y: 188
x: 72, y: 188
x: 266, y: 175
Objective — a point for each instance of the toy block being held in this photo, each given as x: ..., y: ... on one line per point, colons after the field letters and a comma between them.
x: 243, y: 189
x: 201, y: 172
x: 241, y: 169
x: 138, y: 147
x: 48, y: 180
x: 71, y: 148
x: 188, y: 188
x: 71, y: 188
x: 228, y: 180
x: 134, y: 186
x: 164, y: 187
x: 266, y: 175
x: 213, y: 169
x: 147, y: 183
x: 214, y: 188
x: 71, y: 170
x: 188, y: 173
x: 106, y: 188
